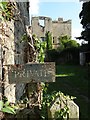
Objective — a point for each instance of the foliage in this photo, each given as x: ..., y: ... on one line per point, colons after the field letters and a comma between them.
x: 84, y: 47
x: 7, y: 10
x: 5, y: 107
x: 67, y: 42
x: 44, y: 112
x: 48, y: 99
x: 68, y: 55
x: 24, y: 38
x: 48, y: 38
x: 7, y: 13
x: 85, y: 21
x: 62, y: 113
x: 40, y: 47
x: 67, y: 52
x: 61, y: 47
x: 53, y: 55
x: 85, y: 14
x: 72, y: 43
x: 75, y: 85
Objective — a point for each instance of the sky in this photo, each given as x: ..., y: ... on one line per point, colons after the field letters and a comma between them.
x: 66, y: 9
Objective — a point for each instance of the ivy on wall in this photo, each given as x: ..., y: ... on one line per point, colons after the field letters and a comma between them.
x: 7, y: 10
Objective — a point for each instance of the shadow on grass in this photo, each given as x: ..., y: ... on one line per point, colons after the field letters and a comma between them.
x: 73, y: 81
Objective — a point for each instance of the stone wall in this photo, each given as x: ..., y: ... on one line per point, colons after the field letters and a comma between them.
x: 8, y: 58
x: 57, y: 28
x: 61, y: 28
x: 0, y: 72
x: 13, y: 49
x: 39, y: 29
x: 19, y: 30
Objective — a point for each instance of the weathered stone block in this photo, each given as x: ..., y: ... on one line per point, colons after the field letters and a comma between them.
x: 73, y: 108
x: 33, y: 72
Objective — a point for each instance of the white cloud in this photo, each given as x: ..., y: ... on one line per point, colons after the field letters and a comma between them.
x: 76, y: 32
x: 34, y: 7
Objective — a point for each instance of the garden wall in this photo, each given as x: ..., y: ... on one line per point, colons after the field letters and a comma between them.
x: 13, y: 49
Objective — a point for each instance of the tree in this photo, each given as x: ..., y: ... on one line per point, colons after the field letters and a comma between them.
x: 48, y: 38
x: 72, y: 43
x: 85, y: 21
x: 67, y: 42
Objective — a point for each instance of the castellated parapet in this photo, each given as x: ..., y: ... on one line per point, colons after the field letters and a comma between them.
x: 38, y: 28
x: 58, y: 28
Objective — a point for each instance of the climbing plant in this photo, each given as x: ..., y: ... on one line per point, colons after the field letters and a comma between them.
x: 40, y: 49
x: 7, y: 10
x: 48, y: 38
x: 60, y: 114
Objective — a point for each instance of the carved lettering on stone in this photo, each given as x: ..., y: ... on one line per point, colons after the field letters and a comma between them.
x: 35, y: 72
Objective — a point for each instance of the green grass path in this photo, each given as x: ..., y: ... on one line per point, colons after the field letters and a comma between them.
x: 73, y: 80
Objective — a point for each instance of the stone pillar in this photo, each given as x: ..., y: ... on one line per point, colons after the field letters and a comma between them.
x: 82, y: 58
x: 0, y: 72
x: 19, y: 31
x: 8, y: 59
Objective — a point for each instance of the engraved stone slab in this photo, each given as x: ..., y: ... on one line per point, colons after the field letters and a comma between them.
x: 33, y: 72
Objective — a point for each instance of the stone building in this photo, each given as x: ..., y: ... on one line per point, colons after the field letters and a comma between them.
x: 58, y: 28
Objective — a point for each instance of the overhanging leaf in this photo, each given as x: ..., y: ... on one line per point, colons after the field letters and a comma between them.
x: 7, y: 103
x: 8, y: 110
x: 1, y: 105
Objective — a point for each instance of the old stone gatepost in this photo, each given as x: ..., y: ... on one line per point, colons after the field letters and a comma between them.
x: 13, y: 50
x: 0, y: 72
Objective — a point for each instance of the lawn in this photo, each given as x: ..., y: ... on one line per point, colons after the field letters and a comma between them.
x: 73, y: 80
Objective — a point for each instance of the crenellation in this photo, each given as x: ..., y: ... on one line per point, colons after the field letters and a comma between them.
x: 57, y: 28
x: 60, y: 19
x: 68, y: 21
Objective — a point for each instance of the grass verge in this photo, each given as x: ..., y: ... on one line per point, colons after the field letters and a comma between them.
x: 72, y: 80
